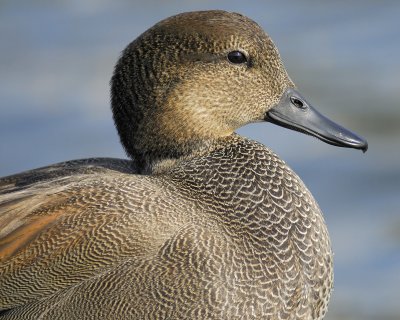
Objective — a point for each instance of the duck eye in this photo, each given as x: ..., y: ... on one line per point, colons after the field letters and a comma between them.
x: 237, y: 57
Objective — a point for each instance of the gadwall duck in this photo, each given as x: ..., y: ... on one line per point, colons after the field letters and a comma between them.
x: 201, y: 223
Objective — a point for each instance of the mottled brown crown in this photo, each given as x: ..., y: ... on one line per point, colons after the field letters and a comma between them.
x: 173, y: 88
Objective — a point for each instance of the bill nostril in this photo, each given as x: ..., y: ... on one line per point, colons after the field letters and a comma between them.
x: 298, y: 103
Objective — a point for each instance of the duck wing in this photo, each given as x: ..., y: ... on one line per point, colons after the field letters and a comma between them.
x: 42, y: 215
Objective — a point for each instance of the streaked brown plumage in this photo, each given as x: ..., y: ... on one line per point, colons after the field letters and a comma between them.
x: 201, y: 224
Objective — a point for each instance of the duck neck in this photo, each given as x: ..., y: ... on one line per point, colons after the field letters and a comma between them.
x: 151, y: 162
x: 162, y: 159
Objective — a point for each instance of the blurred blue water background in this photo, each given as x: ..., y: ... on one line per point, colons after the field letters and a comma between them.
x: 56, y: 59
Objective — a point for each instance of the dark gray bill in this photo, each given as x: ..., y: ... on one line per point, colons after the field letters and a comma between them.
x: 295, y: 113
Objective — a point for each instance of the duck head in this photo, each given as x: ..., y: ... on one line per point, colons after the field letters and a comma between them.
x: 198, y: 76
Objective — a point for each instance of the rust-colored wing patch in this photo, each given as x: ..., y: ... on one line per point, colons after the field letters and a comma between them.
x: 23, y: 218
x: 20, y: 237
